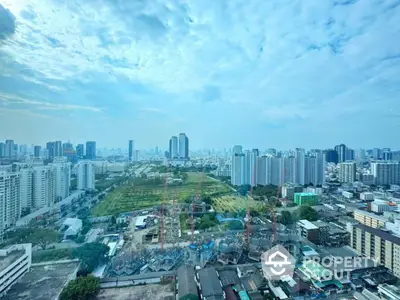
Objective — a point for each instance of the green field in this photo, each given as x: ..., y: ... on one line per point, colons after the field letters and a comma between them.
x: 140, y: 196
x: 236, y: 204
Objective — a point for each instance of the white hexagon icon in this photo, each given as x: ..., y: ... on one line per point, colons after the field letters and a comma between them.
x: 277, y: 262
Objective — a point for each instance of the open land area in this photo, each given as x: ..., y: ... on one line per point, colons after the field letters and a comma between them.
x: 142, y: 292
x: 42, y: 282
x: 235, y: 203
x: 133, y: 196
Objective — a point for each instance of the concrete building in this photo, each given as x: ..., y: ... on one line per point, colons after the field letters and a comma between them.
x: 289, y: 189
x: 90, y: 150
x: 300, y: 160
x: 183, y: 146
x: 36, y: 151
x: 341, y: 151
x: 237, y: 167
x: 308, y: 230
x: 173, y: 147
x: 62, y: 170
x: 379, y: 206
x: 10, y: 200
x: 26, y: 189
x: 370, y: 219
x: 86, y: 175
x: 9, y: 149
x: 58, y: 150
x: 15, y: 261
x: 367, y: 196
x: 80, y: 150
x: 44, y: 186
x: 347, y: 172
x: 305, y: 198
x: 377, y: 244
x: 386, y: 172
x: 315, y: 169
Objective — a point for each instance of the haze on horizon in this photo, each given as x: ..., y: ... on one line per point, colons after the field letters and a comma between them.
x: 280, y: 74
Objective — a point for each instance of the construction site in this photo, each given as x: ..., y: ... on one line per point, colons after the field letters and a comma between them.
x: 155, y: 241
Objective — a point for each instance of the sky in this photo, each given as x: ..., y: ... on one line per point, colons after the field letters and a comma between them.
x: 259, y: 73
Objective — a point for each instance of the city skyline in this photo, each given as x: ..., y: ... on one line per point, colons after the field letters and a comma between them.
x: 264, y: 79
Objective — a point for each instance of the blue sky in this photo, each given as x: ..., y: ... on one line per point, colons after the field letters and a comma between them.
x: 262, y: 73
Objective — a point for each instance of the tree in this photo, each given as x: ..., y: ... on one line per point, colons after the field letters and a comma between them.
x: 235, y: 225
x: 43, y: 237
x: 307, y: 212
x: 92, y: 255
x: 285, y: 218
x: 82, y: 288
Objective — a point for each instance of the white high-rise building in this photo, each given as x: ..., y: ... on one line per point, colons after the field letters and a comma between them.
x: 300, y: 166
x: 62, y: 170
x: 315, y: 169
x: 253, y: 166
x: 10, y: 199
x: 347, y: 172
x: 86, y: 175
x: 237, y: 169
x: 289, y: 169
x: 44, y: 192
x: 173, y: 147
x: 26, y: 189
x: 385, y: 172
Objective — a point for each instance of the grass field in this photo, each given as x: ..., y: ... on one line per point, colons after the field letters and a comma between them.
x: 236, y: 204
x: 133, y: 197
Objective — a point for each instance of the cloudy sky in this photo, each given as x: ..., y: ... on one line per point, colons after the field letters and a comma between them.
x: 262, y: 73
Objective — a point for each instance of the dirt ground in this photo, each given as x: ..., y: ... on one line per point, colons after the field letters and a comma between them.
x: 139, y: 292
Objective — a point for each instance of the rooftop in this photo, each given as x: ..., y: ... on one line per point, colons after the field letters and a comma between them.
x: 307, y: 224
x: 305, y: 194
x: 42, y: 282
x: 210, y: 285
x: 13, y: 256
x: 186, y: 283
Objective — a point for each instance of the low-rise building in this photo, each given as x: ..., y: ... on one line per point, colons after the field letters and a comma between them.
x: 15, y: 261
x: 209, y: 285
x: 382, y: 206
x: 305, y: 198
x: 367, y: 196
x: 370, y: 219
x: 308, y: 230
x: 289, y: 189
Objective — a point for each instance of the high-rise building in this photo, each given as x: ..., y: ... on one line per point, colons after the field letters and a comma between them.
x: 26, y: 189
x: 347, y: 172
x: 23, y: 150
x: 183, y: 146
x: 2, y: 150
x: 10, y: 201
x: 62, y: 170
x: 289, y: 169
x: 387, y: 155
x: 315, y: 169
x: 80, y: 150
x: 385, y: 172
x: 173, y: 147
x: 9, y: 149
x: 377, y: 153
x: 86, y: 175
x: 136, y: 155
x: 237, y: 149
x: 131, y: 150
x: 253, y: 166
x: 44, y: 192
x: 237, y: 169
x: 58, y: 150
x: 50, y: 149
x: 349, y: 154
x: 341, y: 151
x: 90, y: 150
x: 300, y: 166
x: 36, y: 151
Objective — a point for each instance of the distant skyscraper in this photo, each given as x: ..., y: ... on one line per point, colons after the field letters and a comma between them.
x: 58, y: 149
x: 341, y: 150
x: 2, y: 150
x: 300, y: 166
x: 237, y: 169
x: 173, y: 147
x: 237, y: 149
x: 131, y: 150
x: 86, y: 175
x: 36, y: 151
x: 183, y: 146
x: 377, y: 153
x: 50, y: 148
x: 80, y: 150
x: 349, y: 154
x: 90, y: 150
x: 26, y: 188
x: 10, y: 149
